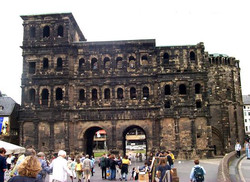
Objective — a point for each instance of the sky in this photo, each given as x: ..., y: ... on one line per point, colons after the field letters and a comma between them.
x: 222, y: 25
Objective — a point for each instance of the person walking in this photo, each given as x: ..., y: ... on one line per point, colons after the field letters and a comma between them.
x: 79, y: 169
x: 237, y: 149
x: 3, y: 166
x: 124, y: 170
x: 102, y: 164
x: 87, y: 168
x: 197, y: 172
x: 162, y: 169
x: 113, y: 167
x: 60, y: 168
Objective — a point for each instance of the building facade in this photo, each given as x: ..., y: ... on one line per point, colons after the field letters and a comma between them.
x: 246, y: 111
x: 181, y: 97
x: 9, y: 126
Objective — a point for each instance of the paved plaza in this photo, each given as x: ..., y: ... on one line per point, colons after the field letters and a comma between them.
x: 183, y: 170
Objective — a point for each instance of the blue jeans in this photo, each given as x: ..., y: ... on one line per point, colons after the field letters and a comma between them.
x: 125, y: 176
x: 113, y: 173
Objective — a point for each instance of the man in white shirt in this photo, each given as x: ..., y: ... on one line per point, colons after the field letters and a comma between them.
x: 237, y: 148
x: 60, y: 168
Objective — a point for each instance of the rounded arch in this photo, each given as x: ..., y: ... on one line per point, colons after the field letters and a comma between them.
x: 46, y: 31
x: 134, y: 130
x: 217, y: 141
x: 60, y: 31
x: 89, y: 139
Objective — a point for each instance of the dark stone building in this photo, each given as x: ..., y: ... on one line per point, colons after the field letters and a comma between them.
x: 181, y: 97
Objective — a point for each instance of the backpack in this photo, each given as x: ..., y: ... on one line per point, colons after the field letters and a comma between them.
x: 198, y: 174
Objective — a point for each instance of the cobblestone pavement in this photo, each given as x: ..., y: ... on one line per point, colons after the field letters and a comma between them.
x: 183, y: 170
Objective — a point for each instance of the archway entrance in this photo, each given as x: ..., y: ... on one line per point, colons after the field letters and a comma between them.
x: 217, y: 142
x: 95, y: 140
x: 135, y: 143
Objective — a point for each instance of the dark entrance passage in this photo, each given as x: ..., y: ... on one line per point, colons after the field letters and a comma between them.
x: 134, y: 142
x: 94, y: 138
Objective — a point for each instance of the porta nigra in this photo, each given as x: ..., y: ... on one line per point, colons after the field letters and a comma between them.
x: 182, y: 98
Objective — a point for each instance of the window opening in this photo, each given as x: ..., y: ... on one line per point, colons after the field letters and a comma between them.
x: 167, y: 90
x: 82, y: 94
x: 132, y: 93
x: 32, y: 32
x: 106, y: 63
x: 32, y: 67
x: 197, y: 88
x: 60, y: 31
x: 182, y: 89
x: 45, y: 96
x: 59, y: 64
x: 93, y: 63
x: 81, y: 62
x: 46, y: 31
x: 192, y: 56
x: 107, y: 93
x: 94, y: 94
x: 198, y: 104
x: 166, y: 58
x: 145, y: 91
x: 167, y: 104
x: 119, y: 93
x: 59, y: 94
x: 119, y: 62
x: 32, y: 94
x: 144, y: 59
x: 45, y: 63
x: 132, y: 62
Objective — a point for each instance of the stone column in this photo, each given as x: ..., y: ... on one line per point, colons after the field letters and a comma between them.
x: 36, y: 134
x: 51, y: 138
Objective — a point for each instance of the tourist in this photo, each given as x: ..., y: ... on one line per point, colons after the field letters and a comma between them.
x: 124, y: 170
x: 72, y: 166
x: 87, y: 168
x: 3, y: 166
x: 45, y: 168
x: 102, y: 164
x: 169, y: 159
x: 237, y: 149
x: 247, y: 146
x: 92, y: 165
x: 60, y: 168
x: 162, y: 169
x: 112, y: 167
x: 118, y: 167
x: 9, y: 161
x: 28, y: 170
x: 79, y: 169
x: 197, y: 172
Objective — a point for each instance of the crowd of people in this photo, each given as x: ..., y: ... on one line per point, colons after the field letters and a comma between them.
x: 34, y: 167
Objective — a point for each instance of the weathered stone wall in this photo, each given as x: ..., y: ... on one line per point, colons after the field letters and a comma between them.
x: 184, y: 99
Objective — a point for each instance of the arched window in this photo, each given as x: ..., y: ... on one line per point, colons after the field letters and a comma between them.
x: 182, y: 89
x: 94, y: 65
x: 59, y: 94
x: 81, y: 63
x: 107, y: 93
x: 46, y: 31
x: 32, y: 32
x: 165, y: 58
x: 167, y: 90
x: 32, y: 67
x: 32, y: 95
x: 119, y: 62
x: 144, y: 59
x: 132, y: 93
x: 106, y: 63
x: 119, y: 93
x: 94, y: 94
x: 60, y: 31
x: 192, y: 56
x: 197, y: 88
x: 132, y: 62
x: 81, y: 94
x: 45, y: 96
x: 167, y: 104
x: 145, y: 92
x: 59, y: 64
x: 198, y: 104
x: 45, y: 63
